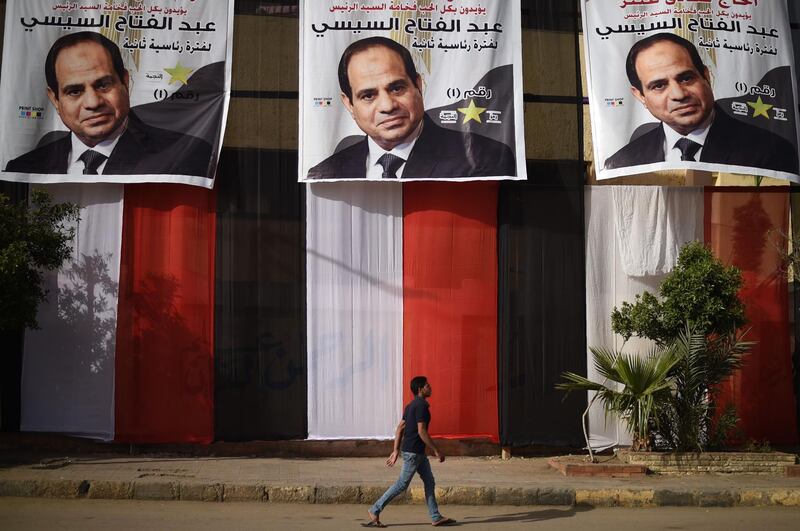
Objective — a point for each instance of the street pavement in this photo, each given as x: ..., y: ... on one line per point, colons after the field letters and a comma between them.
x: 29, y: 514
x: 469, y: 481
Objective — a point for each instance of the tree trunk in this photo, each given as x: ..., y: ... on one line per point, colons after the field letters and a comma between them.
x: 641, y: 444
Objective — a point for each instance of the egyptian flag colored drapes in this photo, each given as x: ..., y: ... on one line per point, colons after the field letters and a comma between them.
x: 431, y: 303
x: 264, y: 310
x: 125, y: 348
x: 230, y: 315
x: 747, y: 227
x: 633, y: 234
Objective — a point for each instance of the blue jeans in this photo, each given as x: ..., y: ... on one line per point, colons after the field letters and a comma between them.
x: 412, y: 463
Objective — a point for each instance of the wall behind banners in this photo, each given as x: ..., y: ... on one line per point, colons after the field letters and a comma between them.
x: 259, y: 345
x: 259, y: 349
x: 263, y: 116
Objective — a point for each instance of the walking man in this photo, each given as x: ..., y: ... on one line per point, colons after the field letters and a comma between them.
x: 413, y: 430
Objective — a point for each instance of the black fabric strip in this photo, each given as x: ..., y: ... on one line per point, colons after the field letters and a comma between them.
x: 541, y: 307
x: 12, y: 344
x: 794, y: 219
x: 260, y: 316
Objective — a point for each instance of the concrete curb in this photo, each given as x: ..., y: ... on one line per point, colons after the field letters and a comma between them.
x: 353, y: 494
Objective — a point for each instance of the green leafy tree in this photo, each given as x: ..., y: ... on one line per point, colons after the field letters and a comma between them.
x: 698, y: 313
x: 700, y: 290
x: 33, y: 238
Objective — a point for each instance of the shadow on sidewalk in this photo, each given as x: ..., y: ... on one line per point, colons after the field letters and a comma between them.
x: 541, y: 515
x: 526, y: 516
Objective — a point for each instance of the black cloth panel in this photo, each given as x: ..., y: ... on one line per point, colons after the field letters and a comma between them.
x: 11, y: 343
x: 542, y: 306
x: 794, y: 300
x: 10, y: 379
x: 260, y: 345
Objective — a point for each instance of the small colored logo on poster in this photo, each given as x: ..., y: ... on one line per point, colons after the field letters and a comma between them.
x: 31, y: 113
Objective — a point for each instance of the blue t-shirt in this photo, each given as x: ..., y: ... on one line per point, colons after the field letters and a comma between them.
x: 417, y: 410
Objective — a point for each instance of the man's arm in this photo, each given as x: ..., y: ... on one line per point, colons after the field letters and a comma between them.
x: 398, y: 436
x: 422, y: 428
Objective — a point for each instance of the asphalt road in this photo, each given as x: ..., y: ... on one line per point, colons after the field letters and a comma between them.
x: 86, y: 515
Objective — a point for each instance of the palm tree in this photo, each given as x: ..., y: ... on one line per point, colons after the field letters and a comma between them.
x: 686, y: 417
x: 644, y: 380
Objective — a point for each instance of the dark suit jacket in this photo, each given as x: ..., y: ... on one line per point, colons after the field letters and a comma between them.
x: 729, y: 141
x: 438, y: 153
x: 141, y: 150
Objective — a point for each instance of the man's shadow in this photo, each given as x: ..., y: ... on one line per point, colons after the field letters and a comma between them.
x: 538, y: 515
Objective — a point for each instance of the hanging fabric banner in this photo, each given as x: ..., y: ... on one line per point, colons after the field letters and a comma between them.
x: 626, y: 262
x: 701, y: 86
x: 68, y: 365
x: 354, y: 271
x: 541, y: 311
x: 260, y: 376
x: 745, y: 227
x: 114, y: 92
x: 450, y: 303
x: 164, y: 360
x: 423, y: 90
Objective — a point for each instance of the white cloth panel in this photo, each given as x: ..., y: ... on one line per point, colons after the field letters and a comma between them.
x: 652, y: 223
x: 608, y: 285
x: 68, y: 364
x: 354, y: 246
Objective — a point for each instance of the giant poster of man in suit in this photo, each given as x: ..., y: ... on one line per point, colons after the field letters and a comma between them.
x: 408, y: 91
x: 114, y: 91
x: 701, y: 85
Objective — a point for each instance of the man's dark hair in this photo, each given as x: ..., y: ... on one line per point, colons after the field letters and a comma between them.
x: 71, y: 40
x: 365, y: 44
x: 417, y: 383
x: 640, y: 46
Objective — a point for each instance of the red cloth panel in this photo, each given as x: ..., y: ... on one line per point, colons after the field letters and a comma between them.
x: 165, y: 342
x: 450, y: 303
x: 740, y: 227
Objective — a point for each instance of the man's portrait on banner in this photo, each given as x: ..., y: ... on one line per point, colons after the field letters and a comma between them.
x: 89, y: 87
x: 668, y: 76
x: 382, y: 91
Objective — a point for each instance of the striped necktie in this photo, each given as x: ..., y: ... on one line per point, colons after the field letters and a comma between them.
x: 688, y: 148
x: 390, y: 163
x: 91, y: 161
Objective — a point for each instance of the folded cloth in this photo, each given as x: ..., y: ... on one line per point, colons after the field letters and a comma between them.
x: 652, y: 223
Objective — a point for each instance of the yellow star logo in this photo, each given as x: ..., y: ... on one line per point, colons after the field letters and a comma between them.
x: 472, y: 112
x: 178, y: 73
x: 760, y: 108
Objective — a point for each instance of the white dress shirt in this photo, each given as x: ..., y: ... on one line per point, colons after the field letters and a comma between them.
x: 375, y: 170
x: 75, y: 164
x: 672, y: 153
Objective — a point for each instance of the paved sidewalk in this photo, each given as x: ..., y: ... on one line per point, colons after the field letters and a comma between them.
x: 460, y: 480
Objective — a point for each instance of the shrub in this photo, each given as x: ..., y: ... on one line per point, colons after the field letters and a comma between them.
x: 700, y: 290
x: 644, y: 384
x: 687, y: 417
x: 32, y: 239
